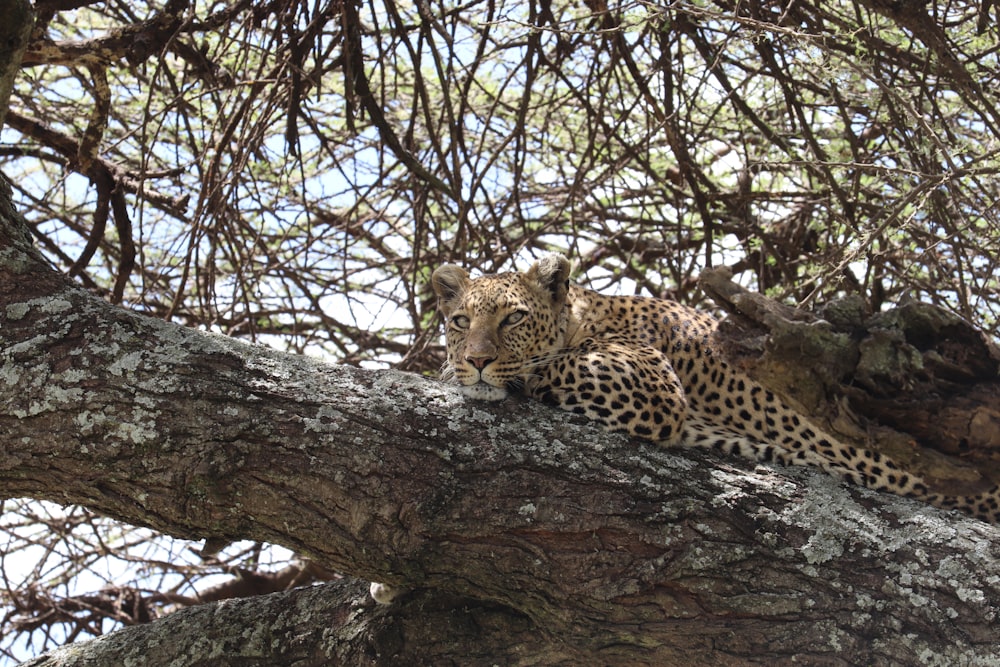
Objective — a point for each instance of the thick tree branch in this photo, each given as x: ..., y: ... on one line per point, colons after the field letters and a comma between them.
x: 602, y: 550
x: 915, y: 368
x: 14, y: 32
x: 333, y: 624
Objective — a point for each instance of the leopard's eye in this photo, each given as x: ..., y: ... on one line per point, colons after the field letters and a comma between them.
x: 514, y: 318
x: 460, y: 322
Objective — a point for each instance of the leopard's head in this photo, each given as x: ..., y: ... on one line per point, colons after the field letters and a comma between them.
x: 500, y: 326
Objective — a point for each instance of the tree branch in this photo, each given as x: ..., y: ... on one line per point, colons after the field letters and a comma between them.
x: 915, y: 368
x: 14, y: 33
x: 333, y: 624
x: 134, y: 43
x: 601, y: 549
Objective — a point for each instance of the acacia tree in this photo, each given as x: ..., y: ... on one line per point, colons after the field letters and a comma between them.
x: 289, y: 173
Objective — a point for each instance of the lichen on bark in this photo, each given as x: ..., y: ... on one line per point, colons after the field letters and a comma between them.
x: 527, y: 535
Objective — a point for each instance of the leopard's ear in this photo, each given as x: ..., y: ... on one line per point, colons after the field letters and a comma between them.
x: 449, y: 283
x: 551, y: 273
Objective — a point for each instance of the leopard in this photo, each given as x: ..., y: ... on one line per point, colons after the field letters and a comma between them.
x: 645, y: 366
x: 641, y: 365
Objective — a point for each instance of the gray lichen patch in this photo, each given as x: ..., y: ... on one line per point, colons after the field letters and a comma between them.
x: 16, y: 311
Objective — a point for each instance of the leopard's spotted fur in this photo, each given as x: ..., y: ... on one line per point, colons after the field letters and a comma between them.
x: 644, y: 366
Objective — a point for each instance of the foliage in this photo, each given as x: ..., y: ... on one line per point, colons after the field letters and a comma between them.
x: 291, y: 171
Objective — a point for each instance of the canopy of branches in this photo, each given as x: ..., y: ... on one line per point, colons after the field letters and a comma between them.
x: 291, y: 171
x: 258, y: 167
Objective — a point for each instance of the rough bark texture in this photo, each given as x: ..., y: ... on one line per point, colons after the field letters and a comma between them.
x: 14, y: 32
x: 532, y: 538
x: 917, y: 381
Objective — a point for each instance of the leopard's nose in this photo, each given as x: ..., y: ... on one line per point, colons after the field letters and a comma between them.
x: 480, y: 362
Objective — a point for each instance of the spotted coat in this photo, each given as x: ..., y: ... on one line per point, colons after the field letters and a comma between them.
x: 644, y: 366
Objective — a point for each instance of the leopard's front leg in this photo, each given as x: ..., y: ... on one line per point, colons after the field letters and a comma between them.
x: 623, y: 386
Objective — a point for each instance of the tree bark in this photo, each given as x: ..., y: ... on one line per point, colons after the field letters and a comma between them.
x: 14, y: 32
x: 530, y: 536
x: 917, y: 381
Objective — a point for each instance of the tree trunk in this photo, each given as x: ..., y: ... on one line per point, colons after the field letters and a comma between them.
x: 532, y: 537
x: 14, y: 33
